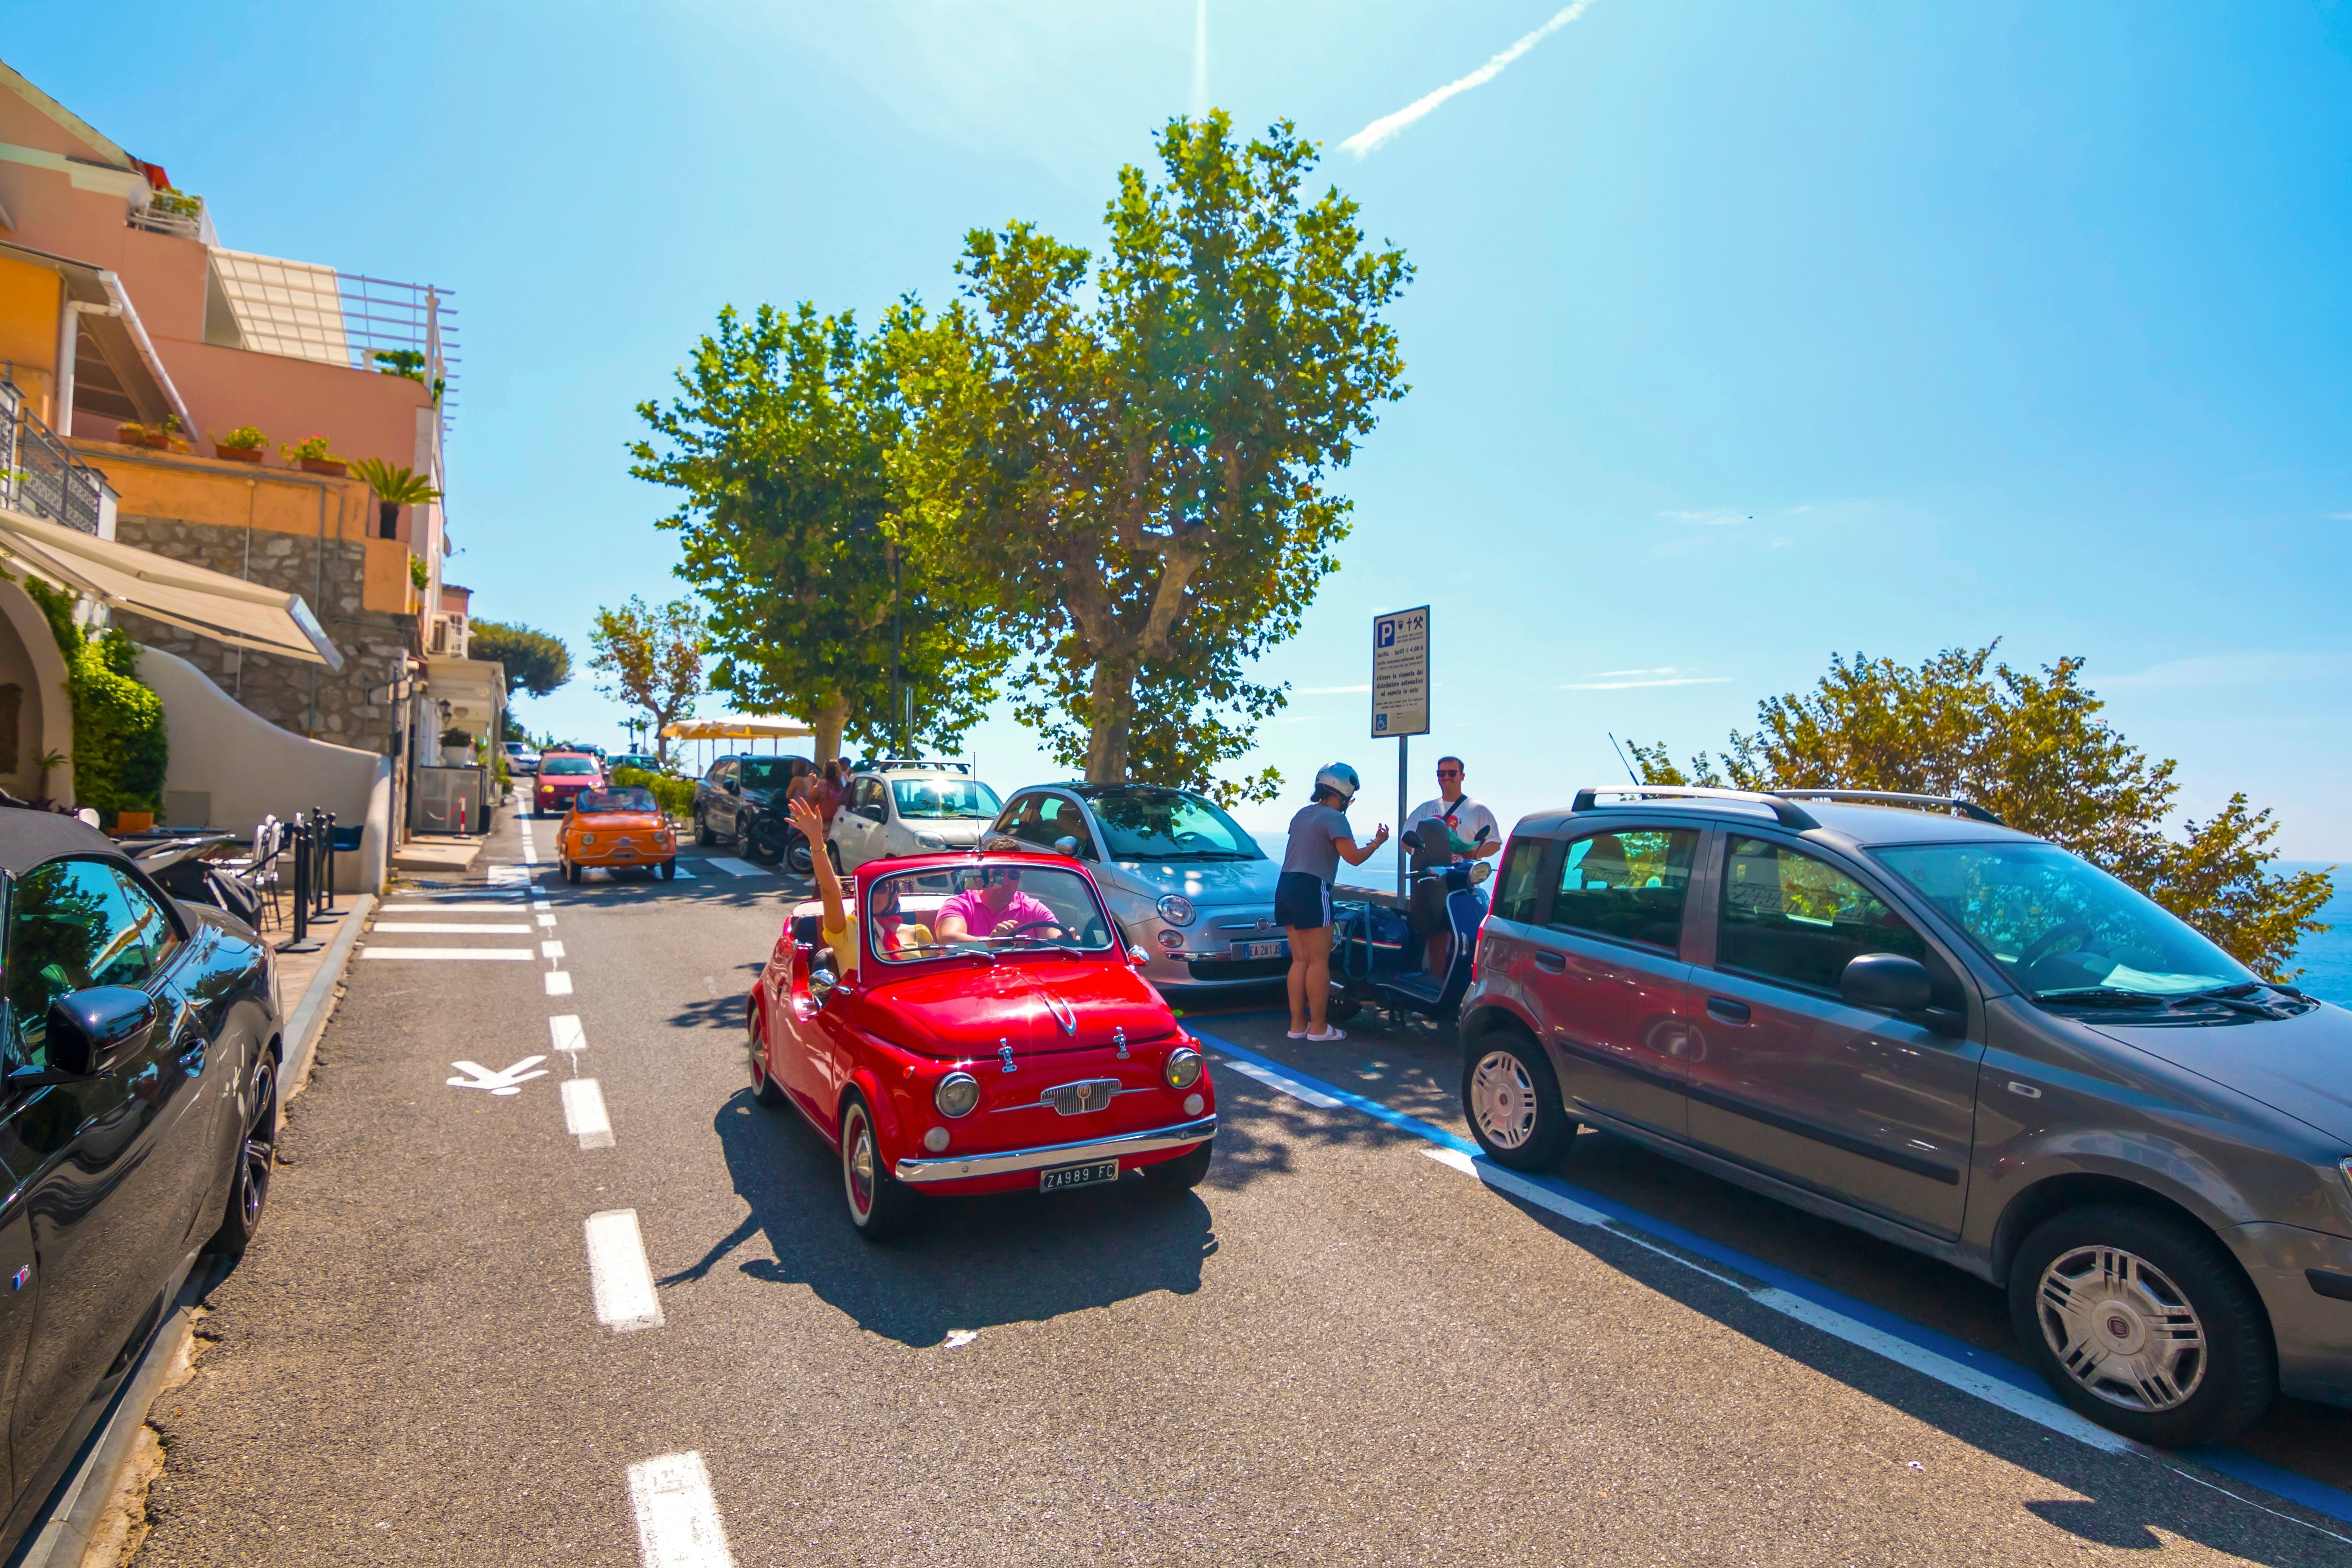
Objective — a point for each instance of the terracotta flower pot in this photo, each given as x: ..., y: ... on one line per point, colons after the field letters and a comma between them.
x: 236, y: 454
x: 134, y: 821
x: 327, y: 466
x: 153, y: 440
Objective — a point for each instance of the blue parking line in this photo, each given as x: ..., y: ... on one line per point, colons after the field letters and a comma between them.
x: 2316, y: 1495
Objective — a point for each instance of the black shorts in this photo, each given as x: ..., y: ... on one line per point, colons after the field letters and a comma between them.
x: 1302, y: 900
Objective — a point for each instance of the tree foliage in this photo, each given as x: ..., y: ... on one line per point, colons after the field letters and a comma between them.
x: 1137, y: 454
x: 652, y: 659
x: 2031, y: 747
x: 534, y: 662
x: 782, y: 446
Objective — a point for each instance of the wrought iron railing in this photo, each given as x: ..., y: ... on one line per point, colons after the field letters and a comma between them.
x: 39, y: 474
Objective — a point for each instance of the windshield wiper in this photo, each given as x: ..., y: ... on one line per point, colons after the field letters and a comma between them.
x: 2097, y: 995
x: 1039, y: 943
x: 2235, y: 998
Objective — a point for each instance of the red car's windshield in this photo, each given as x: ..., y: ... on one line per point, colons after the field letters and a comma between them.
x: 553, y: 765
x: 998, y: 907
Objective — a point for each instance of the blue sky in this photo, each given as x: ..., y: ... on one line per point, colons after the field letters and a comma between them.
x: 1741, y: 335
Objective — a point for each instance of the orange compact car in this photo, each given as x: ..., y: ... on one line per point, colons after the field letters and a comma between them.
x: 618, y: 829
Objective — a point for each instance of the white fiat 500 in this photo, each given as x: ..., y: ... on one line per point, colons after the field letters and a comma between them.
x: 915, y: 808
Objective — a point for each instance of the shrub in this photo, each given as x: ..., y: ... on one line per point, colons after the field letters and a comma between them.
x: 312, y: 447
x: 244, y: 439
x: 121, y: 748
x: 676, y: 795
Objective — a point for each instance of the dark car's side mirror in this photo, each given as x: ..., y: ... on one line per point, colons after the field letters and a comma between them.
x: 1888, y: 982
x: 89, y: 1030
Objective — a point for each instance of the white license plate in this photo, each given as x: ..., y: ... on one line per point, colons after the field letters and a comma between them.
x: 1264, y: 950
x: 1062, y: 1176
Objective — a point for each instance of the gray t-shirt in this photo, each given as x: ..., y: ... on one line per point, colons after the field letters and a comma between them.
x: 1315, y: 835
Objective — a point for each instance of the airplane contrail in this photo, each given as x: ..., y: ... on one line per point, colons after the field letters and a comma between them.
x: 1388, y: 125
x: 1200, y: 59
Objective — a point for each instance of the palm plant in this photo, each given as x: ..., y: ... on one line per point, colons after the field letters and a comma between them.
x: 394, y: 489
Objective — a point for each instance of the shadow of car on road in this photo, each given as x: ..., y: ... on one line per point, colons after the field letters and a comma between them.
x: 966, y: 1263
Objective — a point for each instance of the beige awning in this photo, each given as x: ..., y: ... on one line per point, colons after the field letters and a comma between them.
x: 736, y: 727
x: 211, y: 603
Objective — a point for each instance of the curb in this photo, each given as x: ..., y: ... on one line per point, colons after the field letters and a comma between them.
x: 86, y: 1491
x: 308, y: 1019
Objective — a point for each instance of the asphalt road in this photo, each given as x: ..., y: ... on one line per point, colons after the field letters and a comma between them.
x: 1338, y: 1350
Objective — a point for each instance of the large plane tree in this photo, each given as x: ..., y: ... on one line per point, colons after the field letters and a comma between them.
x: 1138, y: 451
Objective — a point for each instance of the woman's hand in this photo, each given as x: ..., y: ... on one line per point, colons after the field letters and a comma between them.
x: 807, y: 819
x: 1379, y: 835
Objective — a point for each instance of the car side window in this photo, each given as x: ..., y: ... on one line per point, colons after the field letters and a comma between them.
x: 69, y: 928
x: 1629, y: 884
x: 1033, y: 819
x: 155, y: 928
x: 870, y: 803
x: 1790, y: 917
x: 1517, y: 890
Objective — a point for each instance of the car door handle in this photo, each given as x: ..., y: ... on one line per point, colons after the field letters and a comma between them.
x: 1725, y: 1009
x: 1553, y: 963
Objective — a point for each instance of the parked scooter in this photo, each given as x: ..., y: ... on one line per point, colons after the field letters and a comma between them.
x: 1381, y: 944
x: 771, y: 838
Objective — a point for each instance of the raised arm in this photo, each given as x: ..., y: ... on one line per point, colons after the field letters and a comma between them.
x: 1355, y: 856
x: 828, y: 884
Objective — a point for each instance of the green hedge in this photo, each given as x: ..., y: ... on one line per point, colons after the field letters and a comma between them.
x: 676, y: 795
x: 120, y: 747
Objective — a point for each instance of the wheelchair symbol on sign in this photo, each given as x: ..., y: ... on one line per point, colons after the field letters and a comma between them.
x: 1379, y: 723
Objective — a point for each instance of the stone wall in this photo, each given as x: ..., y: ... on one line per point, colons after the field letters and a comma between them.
x: 345, y: 706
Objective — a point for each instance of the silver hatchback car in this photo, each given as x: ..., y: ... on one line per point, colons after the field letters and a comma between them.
x: 1895, y: 1011
x: 1189, y: 886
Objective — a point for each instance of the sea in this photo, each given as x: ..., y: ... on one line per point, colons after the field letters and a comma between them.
x: 2325, y: 959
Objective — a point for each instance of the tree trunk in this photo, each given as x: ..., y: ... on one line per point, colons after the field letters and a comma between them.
x: 828, y: 719
x: 1110, y: 710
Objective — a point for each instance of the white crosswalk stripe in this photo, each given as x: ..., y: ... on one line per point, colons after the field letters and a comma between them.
x: 451, y: 954
x: 735, y: 867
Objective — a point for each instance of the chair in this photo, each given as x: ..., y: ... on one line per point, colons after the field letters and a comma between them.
x: 258, y: 869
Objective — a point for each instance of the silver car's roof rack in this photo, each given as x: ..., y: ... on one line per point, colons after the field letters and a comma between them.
x: 1789, y: 815
x: 1966, y: 808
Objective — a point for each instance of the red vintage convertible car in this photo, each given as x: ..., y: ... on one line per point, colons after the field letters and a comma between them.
x: 988, y: 1032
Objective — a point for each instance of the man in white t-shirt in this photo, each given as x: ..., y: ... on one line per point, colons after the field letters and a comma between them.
x: 1456, y: 813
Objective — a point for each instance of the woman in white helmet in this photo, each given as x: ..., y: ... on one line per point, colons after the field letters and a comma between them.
x: 1319, y: 840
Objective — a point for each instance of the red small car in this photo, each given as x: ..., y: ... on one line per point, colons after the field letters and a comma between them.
x: 993, y: 1035
x: 563, y: 776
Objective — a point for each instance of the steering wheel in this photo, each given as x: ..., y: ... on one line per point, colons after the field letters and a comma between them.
x: 2041, y: 947
x: 1186, y: 840
x: 1025, y: 927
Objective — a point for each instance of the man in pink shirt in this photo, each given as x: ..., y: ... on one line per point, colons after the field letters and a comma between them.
x: 996, y: 907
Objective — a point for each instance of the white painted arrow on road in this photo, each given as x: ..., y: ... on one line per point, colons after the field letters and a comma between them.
x: 509, y: 1082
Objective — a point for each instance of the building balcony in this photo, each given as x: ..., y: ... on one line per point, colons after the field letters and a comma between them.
x: 39, y: 476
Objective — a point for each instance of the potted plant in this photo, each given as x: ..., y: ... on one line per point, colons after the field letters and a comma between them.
x: 164, y: 438
x: 242, y: 445
x: 309, y: 455
x: 394, y: 489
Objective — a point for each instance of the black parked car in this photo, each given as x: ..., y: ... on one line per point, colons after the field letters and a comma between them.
x: 139, y: 1058
x: 740, y: 802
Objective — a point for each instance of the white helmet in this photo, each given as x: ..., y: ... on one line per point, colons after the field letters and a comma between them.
x: 1341, y: 780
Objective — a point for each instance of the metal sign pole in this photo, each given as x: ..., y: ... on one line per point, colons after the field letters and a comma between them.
x: 1402, y: 744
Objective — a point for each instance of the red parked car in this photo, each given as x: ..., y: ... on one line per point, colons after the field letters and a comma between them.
x: 991, y: 1034
x: 563, y: 776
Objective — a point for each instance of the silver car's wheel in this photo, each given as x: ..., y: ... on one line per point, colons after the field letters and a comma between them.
x: 1502, y: 1100
x: 2122, y: 1330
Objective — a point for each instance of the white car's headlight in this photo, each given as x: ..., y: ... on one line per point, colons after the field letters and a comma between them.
x: 930, y: 841
x: 1176, y: 910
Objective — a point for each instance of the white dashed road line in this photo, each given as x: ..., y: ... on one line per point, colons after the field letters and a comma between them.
x: 677, y: 1518
x: 583, y: 1113
x: 564, y: 1030
x: 1290, y: 1086
x: 546, y: 949
x: 617, y: 1273
x: 558, y: 980
x: 449, y: 954
x: 547, y: 920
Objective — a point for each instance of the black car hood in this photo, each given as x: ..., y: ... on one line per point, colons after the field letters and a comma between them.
x: 2300, y: 1065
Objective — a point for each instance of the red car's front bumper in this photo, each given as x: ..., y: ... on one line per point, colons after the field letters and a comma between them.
x: 1017, y: 1161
